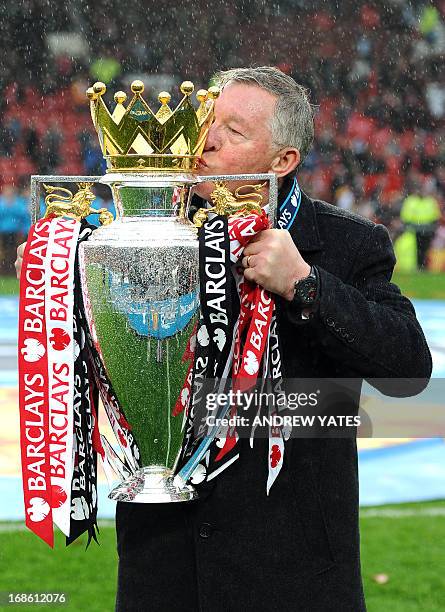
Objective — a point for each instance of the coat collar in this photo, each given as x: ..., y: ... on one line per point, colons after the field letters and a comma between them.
x: 304, y: 231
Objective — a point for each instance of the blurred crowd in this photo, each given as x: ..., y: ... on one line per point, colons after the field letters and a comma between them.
x: 375, y: 71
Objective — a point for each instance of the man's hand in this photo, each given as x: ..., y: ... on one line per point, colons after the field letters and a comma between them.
x: 19, y: 260
x: 273, y: 261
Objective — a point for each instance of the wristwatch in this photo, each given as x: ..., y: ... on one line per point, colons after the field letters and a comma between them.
x: 307, y: 290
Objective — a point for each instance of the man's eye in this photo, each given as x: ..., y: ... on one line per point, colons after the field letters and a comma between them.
x: 234, y: 131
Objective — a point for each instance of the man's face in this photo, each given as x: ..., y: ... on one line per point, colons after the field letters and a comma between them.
x: 239, y: 140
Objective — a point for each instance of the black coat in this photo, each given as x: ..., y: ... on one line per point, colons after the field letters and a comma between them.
x: 237, y: 549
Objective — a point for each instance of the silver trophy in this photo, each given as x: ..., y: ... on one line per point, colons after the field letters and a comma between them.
x: 140, y: 276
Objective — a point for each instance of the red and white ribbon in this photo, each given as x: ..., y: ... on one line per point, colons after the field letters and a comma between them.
x: 256, y: 308
x: 59, y: 301
x: 276, y: 452
x: 33, y: 385
x: 46, y: 374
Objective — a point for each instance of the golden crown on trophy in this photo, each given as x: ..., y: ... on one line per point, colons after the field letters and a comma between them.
x: 135, y: 139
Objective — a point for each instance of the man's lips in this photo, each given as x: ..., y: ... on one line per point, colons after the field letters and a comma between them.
x: 201, y: 163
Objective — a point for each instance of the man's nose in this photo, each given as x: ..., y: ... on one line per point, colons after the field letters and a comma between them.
x: 213, y: 141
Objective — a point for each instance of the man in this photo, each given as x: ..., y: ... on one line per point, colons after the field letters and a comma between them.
x: 421, y: 213
x: 297, y: 548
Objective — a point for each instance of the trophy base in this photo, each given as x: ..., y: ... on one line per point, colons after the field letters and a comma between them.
x: 152, y: 485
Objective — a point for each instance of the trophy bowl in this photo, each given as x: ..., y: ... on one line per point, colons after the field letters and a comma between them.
x: 140, y: 281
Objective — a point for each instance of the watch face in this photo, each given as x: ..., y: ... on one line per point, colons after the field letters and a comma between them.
x: 306, y: 290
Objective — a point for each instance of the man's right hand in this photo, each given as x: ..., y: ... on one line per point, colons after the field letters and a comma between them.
x: 19, y: 260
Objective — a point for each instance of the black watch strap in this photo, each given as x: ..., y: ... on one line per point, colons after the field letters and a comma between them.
x: 307, y: 290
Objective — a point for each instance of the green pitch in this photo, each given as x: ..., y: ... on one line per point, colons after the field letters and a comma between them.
x: 9, y: 285
x: 422, y: 285
x: 404, y: 543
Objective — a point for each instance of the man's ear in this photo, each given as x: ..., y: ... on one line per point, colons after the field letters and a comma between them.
x: 285, y: 162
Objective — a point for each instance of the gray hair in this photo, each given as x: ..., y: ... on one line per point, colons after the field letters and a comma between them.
x: 292, y: 123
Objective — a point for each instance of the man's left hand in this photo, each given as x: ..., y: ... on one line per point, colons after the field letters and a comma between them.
x: 272, y: 260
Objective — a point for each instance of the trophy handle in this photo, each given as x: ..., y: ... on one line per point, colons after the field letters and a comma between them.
x: 61, y: 202
x: 228, y: 203
x: 37, y: 180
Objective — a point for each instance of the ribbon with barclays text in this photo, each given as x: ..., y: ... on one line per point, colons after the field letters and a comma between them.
x: 57, y: 395
x: 250, y: 340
